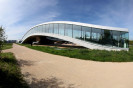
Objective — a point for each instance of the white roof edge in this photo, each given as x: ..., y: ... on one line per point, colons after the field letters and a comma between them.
x: 88, y: 25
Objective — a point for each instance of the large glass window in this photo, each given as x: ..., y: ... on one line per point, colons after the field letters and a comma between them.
x: 61, y: 29
x: 122, y: 39
x: 86, y: 33
x: 107, y: 38
x: 51, y: 30
x: 77, y: 31
x: 96, y: 35
x: 39, y: 29
x: 47, y: 28
x: 36, y: 29
x: 33, y: 30
x: 123, y: 42
x: 101, y: 40
x: 126, y: 40
x: 43, y: 29
x: 30, y: 31
x: 68, y: 30
x: 56, y: 28
x: 116, y: 38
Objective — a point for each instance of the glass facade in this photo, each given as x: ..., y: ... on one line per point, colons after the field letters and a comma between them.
x: 68, y: 30
x: 89, y: 34
x: 77, y: 32
x: 86, y: 33
x: 61, y: 29
x: 56, y: 29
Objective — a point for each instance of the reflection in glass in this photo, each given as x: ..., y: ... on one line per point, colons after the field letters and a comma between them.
x: 86, y: 33
x: 116, y: 38
x: 124, y: 40
x: 39, y: 29
x: 56, y: 29
x: 36, y: 29
x: 68, y: 30
x: 106, y: 38
x: 51, y: 30
x: 77, y: 31
x: 43, y: 28
x: 61, y: 29
x: 47, y: 28
x: 96, y: 35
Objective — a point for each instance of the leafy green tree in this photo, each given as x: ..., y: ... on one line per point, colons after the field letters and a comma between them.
x: 130, y: 42
x: 2, y: 39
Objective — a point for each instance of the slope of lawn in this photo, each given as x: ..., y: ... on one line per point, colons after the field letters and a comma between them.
x: 86, y: 54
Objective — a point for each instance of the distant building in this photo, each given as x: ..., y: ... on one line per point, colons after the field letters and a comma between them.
x: 11, y: 41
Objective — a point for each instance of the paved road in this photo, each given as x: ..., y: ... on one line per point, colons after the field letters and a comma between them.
x: 42, y: 69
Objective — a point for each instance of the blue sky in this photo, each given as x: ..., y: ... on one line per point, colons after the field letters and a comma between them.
x: 18, y: 16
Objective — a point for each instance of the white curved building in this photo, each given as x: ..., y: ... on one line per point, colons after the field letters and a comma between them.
x: 86, y: 35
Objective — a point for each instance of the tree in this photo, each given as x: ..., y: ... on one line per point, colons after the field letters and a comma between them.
x: 2, y: 39
x: 130, y: 42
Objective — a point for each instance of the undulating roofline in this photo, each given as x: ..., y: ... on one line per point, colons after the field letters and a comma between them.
x: 86, y: 24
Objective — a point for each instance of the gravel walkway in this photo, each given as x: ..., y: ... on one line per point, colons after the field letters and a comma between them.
x: 43, y: 70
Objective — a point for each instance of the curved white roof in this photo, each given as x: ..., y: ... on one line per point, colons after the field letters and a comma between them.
x: 88, y: 25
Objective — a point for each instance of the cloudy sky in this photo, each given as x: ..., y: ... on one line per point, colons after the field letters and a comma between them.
x: 17, y: 16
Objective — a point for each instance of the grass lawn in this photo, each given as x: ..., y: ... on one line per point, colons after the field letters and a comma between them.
x: 7, y: 46
x: 85, y: 54
x: 10, y: 73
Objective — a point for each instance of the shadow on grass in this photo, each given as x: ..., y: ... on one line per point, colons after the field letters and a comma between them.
x: 8, y: 60
x: 8, y: 80
x: 10, y: 74
x: 51, y: 82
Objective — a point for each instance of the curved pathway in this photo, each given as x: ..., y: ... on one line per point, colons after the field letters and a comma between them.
x: 71, y: 72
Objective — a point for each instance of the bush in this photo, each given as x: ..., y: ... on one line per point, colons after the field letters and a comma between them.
x: 2, y: 39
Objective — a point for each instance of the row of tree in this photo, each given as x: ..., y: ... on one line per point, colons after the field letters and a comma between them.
x: 2, y: 39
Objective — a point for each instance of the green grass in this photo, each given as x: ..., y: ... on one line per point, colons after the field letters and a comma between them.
x: 10, y: 75
x: 7, y: 46
x: 85, y: 54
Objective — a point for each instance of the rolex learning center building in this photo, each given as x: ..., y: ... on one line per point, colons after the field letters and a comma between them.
x: 83, y: 34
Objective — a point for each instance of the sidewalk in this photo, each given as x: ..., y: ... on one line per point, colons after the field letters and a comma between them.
x: 42, y: 69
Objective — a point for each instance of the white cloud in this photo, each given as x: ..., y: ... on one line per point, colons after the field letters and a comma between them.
x: 18, y: 16
x: 15, y: 15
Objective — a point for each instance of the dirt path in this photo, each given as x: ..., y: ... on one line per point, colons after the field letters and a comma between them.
x: 43, y: 70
